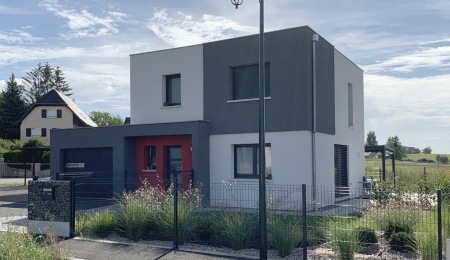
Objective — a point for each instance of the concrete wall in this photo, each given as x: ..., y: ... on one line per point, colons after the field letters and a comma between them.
x: 147, y: 85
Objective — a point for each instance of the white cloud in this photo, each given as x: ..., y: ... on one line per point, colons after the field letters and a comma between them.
x: 18, y: 37
x: 184, y: 29
x: 423, y: 57
x: 84, y: 23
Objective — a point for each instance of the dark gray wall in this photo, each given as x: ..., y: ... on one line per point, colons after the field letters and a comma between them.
x: 290, y: 107
x: 122, y: 141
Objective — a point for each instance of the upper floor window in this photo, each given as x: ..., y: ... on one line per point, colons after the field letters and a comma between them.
x: 246, y: 161
x: 350, y: 105
x: 51, y: 113
x: 173, y: 90
x: 245, y: 81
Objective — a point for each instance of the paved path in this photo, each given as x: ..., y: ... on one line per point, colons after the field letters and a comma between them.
x: 102, y: 250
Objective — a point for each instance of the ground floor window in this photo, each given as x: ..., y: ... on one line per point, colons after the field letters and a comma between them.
x: 151, y: 157
x: 246, y: 161
x: 341, y: 169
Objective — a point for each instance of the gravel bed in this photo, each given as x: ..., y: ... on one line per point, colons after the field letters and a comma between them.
x: 379, y: 251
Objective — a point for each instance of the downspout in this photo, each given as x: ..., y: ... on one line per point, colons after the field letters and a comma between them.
x: 315, y: 39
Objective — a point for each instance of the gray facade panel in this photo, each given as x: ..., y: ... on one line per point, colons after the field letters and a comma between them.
x: 122, y: 140
x: 289, y: 108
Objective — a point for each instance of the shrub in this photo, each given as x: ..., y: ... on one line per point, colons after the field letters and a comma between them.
x: 366, y: 236
x: 403, y: 242
x: 132, y: 218
x: 428, y: 246
x: 236, y: 227
x: 205, y: 227
x: 394, y: 226
x: 283, y: 234
x: 345, y: 242
x: 82, y: 224
x: 102, y: 224
x: 317, y: 232
x: 188, y: 201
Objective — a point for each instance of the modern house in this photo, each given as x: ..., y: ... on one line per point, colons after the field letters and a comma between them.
x: 195, y: 109
x: 53, y: 111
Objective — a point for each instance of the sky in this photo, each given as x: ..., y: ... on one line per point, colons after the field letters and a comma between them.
x: 402, y: 46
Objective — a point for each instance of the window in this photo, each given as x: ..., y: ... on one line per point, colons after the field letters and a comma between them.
x: 151, y: 157
x: 173, y: 90
x: 36, y: 132
x: 350, y: 105
x: 245, y: 81
x: 341, y: 170
x: 246, y: 159
x: 52, y: 113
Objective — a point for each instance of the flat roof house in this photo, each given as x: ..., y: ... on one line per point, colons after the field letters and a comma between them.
x: 195, y: 109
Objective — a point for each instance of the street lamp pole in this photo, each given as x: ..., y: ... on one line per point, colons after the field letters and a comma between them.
x: 262, y: 142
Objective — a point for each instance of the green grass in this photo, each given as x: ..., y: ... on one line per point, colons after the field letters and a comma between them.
x: 416, y: 157
x: 283, y: 233
x: 23, y: 246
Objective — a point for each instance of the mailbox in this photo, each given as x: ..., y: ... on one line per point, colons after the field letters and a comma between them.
x: 48, y: 193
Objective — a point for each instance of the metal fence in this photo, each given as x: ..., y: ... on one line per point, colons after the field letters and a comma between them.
x: 382, y: 222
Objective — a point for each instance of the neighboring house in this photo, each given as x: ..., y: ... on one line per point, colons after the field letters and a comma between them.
x: 53, y: 111
x: 195, y: 109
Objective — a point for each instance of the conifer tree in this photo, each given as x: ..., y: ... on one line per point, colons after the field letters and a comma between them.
x: 12, y: 107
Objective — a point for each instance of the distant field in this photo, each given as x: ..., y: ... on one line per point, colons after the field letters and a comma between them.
x: 416, y: 157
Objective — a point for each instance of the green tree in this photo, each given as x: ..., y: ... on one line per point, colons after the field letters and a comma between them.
x: 371, y: 138
x: 42, y: 79
x: 12, y: 107
x: 412, y: 150
x: 442, y: 158
x: 399, y: 149
x: 426, y: 150
x: 105, y: 118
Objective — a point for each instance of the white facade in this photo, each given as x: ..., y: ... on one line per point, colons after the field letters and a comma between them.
x: 35, y: 122
x: 147, y: 81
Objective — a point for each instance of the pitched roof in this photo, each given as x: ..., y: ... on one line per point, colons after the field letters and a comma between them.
x: 56, y: 98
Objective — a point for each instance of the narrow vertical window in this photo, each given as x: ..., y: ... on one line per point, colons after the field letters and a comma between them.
x: 151, y: 157
x: 173, y: 90
x: 350, y: 105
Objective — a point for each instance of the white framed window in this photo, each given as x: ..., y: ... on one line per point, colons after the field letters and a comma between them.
x: 36, y: 131
x: 51, y: 113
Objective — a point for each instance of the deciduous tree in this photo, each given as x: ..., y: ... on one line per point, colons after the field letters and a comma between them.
x: 399, y: 149
x: 105, y: 118
x: 426, y: 150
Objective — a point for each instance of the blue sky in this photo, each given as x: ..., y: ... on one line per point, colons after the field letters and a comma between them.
x: 403, y: 47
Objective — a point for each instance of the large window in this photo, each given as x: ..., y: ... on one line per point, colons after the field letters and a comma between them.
x: 151, y: 157
x: 245, y: 81
x: 246, y: 161
x: 173, y: 90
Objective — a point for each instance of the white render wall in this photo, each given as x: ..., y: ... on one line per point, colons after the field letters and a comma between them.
x: 147, y: 85
x: 347, y: 72
x: 34, y: 120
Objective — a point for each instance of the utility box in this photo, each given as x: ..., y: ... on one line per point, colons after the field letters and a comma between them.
x: 48, y: 193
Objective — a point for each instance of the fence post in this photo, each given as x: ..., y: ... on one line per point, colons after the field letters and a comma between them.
x: 439, y: 201
x: 304, y: 226
x: 175, y: 209
x: 25, y: 174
